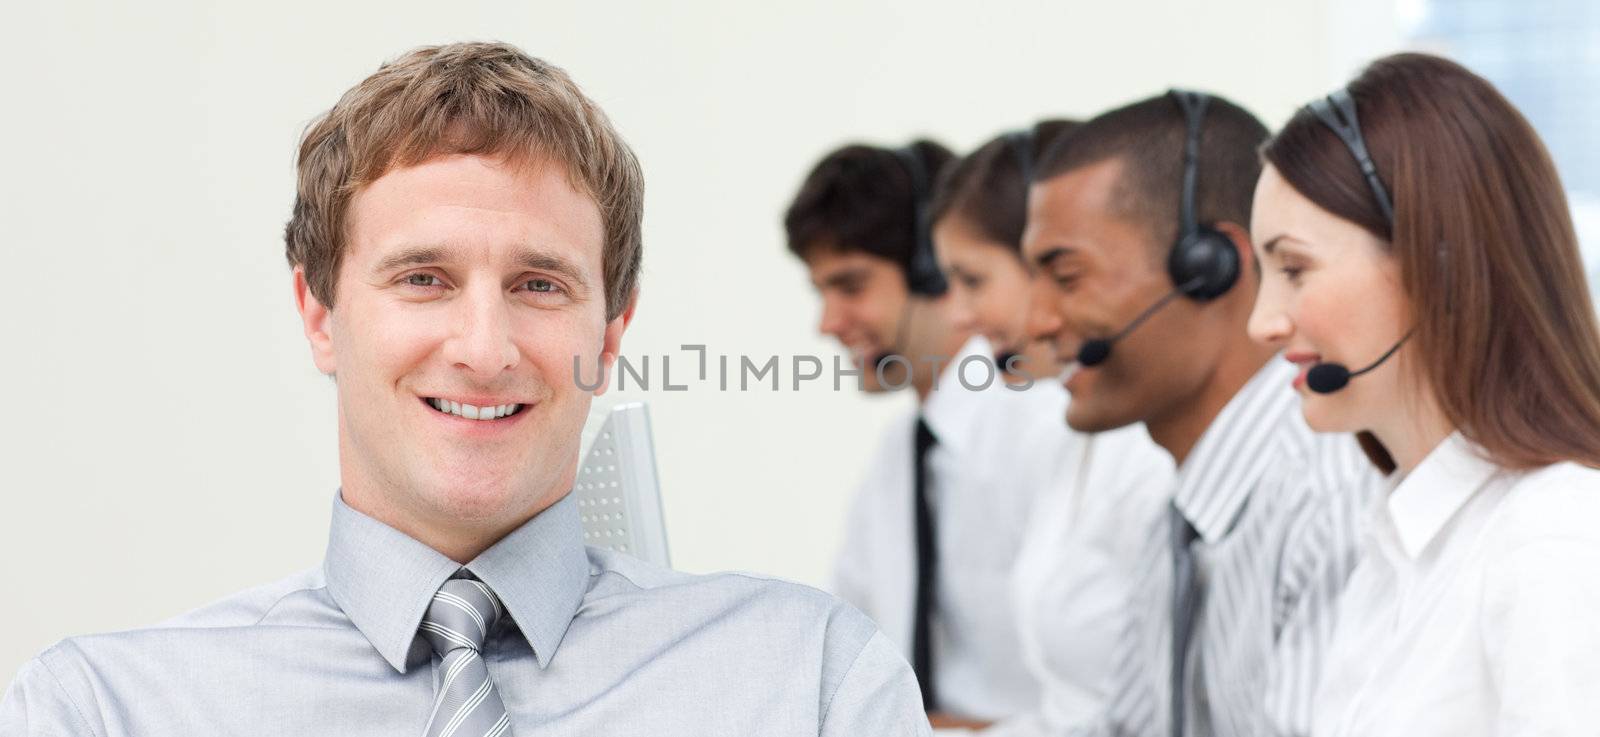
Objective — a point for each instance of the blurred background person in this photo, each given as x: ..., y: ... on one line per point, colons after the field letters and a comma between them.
x: 1086, y: 518
x: 934, y: 526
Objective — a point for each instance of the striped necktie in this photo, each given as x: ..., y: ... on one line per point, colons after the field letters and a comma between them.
x: 1187, y: 591
x: 456, y: 624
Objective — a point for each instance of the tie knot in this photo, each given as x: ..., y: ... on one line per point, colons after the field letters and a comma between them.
x: 925, y: 438
x: 460, y: 615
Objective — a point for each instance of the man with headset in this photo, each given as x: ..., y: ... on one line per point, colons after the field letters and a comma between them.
x: 935, y: 526
x: 1144, y: 281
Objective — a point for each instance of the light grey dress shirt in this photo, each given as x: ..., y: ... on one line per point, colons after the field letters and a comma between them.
x: 596, y: 643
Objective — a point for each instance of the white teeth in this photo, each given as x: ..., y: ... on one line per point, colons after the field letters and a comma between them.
x: 474, y: 413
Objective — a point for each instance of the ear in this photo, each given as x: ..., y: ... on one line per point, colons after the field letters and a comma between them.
x: 317, y: 321
x: 611, y: 344
x: 1249, y: 271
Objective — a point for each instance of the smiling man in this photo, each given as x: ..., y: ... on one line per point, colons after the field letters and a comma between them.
x: 466, y: 226
x: 1136, y: 237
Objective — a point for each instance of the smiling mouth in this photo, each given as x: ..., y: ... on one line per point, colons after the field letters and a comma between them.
x: 467, y: 411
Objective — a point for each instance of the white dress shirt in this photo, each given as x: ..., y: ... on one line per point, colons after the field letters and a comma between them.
x: 1475, y: 609
x: 1076, y: 572
x: 981, y: 484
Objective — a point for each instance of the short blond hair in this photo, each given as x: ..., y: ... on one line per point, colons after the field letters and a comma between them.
x: 468, y: 98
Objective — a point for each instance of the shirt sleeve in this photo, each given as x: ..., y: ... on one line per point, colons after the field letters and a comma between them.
x: 1542, y: 638
x: 36, y: 705
x: 852, y: 577
x: 878, y: 696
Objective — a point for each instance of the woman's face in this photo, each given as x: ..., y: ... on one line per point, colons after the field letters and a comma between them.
x: 1330, y: 292
x: 990, y: 287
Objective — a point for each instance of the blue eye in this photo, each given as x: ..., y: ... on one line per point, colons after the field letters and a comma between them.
x: 541, y: 285
x: 423, y: 280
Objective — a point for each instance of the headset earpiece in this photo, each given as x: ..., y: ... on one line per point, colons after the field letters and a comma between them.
x: 923, y: 276
x: 1203, y: 264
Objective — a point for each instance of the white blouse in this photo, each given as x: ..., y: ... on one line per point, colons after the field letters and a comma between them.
x: 1475, y: 609
x: 1073, y: 579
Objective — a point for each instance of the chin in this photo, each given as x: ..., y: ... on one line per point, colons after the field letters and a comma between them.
x: 1320, y: 418
x: 1083, y: 417
x: 482, y: 498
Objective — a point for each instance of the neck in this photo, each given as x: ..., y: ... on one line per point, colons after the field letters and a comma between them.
x: 925, y: 374
x: 1411, y: 434
x: 1180, y: 428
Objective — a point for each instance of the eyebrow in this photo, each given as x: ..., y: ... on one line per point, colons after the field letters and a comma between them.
x: 544, y: 261
x: 414, y: 256
x: 843, y: 278
x: 1272, y: 243
x: 527, y: 258
x: 1044, y: 260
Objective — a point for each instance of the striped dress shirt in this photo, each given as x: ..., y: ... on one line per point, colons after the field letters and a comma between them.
x: 1278, y: 510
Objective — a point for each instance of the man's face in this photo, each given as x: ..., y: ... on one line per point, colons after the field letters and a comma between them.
x: 465, y: 281
x: 1094, y: 270
x: 864, y: 307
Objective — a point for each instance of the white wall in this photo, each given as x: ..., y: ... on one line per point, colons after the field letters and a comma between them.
x: 168, y: 440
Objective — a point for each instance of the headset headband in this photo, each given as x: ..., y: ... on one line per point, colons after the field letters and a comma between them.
x: 1338, y: 112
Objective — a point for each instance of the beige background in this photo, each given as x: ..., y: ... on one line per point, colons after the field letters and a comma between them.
x: 167, y: 440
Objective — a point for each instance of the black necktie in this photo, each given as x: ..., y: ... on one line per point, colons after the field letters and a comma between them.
x: 1186, y: 593
x: 927, y: 571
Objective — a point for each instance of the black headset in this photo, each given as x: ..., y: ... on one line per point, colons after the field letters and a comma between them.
x: 1021, y: 144
x: 1338, y: 112
x: 923, y: 276
x: 1203, y: 264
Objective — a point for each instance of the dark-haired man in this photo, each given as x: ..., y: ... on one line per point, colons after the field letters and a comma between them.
x: 466, y: 225
x: 1233, y: 601
x: 936, y: 523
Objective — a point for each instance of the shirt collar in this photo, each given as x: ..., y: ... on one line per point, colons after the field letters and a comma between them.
x: 1215, y: 481
x: 384, y: 580
x: 951, y: 407
x: 1424, y: 500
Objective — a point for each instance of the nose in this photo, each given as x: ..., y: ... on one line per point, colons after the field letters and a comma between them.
x: 1043, y: 322
x: 1269, y: 324
x: 962, y: 317
x: 832, y: 321
x: 482, y: 342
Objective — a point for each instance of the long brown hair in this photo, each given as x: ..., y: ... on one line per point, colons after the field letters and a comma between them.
x: 1505, y: 330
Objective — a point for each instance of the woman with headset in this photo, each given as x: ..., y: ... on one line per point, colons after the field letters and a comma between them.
x: 977, y: 213
x: 1413, y: 227
x: 1087, y: 520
